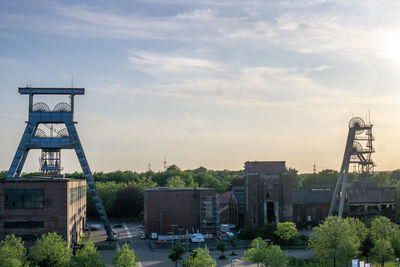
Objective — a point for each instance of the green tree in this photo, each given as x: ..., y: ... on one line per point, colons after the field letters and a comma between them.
x: 125, y: 257
x: 88, y: 256
x: 221, y: 246
x: 176, y: 253
x: 200, y: 258
x: 286, y: 231
x: 274, y: 257
x: 175, y: 182
x: 257, y: 252
x: 12, y: 252
x: 129, y: 201
x: 383, y: 234
x: 366, y: 246
x: 335, y: 238
x: 51, y: 250
x: 396, y: 245
x: 233, y: 241
x: 382, y: 251
x: 383, y: 228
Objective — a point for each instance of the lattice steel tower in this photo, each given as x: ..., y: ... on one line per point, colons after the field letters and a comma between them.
x: 51, y: 145
x: 354, y: 153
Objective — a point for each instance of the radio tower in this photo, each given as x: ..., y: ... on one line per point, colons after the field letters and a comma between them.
x: 354, y: 153
x: 315, y: 168
x: 51, y: 144
x: 165, y: 164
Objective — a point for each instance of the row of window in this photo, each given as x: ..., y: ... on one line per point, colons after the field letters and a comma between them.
x: 25, y: 224
x: 76, y: 194
x: 23, y: 198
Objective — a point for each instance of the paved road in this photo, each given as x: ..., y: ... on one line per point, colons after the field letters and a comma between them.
x: 130, y: 233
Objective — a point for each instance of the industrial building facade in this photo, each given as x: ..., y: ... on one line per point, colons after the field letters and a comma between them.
x: 30, y: 207
x: 268, y: 193
x: 180, y: 210
x: 363, y: 199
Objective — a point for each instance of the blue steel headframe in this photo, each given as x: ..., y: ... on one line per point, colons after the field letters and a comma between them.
x: 32, y: 141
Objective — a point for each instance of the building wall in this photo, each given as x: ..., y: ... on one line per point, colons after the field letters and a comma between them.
x: 305, y: 215
x: 53, y: 215
x: 268, y: 193
x: 76, y: 209
x: 363, y: 199
x: 167, y: 210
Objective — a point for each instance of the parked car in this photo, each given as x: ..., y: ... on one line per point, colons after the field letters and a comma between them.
x: 197, y: 238
x: 154, y: 236
x: 93, y: 227
x: 141, y: 226
x: 143, y: 236
x: 117, y: 226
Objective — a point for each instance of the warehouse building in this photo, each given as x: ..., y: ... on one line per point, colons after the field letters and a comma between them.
x: 180, y: 210
x: 363, y: 199
x: 30, y: 207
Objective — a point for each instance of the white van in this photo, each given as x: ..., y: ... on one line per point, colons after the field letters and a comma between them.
x: 154, y: 236
x: 197, y: 238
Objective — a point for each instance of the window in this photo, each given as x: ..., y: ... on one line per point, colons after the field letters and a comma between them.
x: 76, y: 194
x: 26, y: 224
x: 23, y: 198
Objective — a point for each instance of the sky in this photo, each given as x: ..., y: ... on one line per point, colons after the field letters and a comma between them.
x: 206, y: 83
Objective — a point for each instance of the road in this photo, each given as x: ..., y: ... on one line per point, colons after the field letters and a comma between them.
x: 130, y: 233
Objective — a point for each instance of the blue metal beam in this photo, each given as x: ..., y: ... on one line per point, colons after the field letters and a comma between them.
x: 51, y: 91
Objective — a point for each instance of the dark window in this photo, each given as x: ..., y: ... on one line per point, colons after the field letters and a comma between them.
x: 26, y: 237
x: 25, y: 224
x: 267, y: 195
x: 23, y: 198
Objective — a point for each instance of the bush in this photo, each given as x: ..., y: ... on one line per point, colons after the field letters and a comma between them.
x: 267, y: 231
x: 293, y: 261
x: 247, y: 233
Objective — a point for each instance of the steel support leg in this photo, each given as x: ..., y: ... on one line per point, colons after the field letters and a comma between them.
x: 19, y: 158
x: 21, y: 163
x: 90, y: 180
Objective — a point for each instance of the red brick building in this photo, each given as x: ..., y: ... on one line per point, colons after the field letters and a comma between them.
x: 30, y: 207
x: 228, y: 208
x: 268, y: 193
x: 180, y: 210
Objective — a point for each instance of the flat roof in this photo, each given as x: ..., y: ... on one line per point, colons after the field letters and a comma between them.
x: 50, y: 91
x: 38, y: 179
x: 179, y: 189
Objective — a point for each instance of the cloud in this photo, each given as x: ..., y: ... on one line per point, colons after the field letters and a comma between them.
x: 320, y: 27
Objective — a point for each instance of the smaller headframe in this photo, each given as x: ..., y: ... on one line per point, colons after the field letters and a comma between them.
x: 51, y: 91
